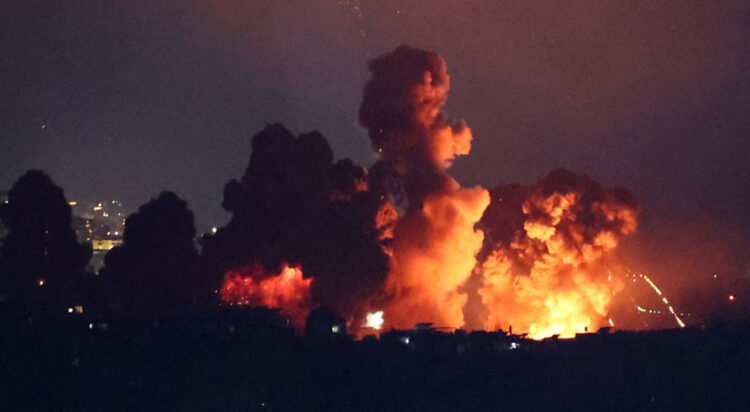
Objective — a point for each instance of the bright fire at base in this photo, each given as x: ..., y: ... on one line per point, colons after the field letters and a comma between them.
x: 546, y: 275
x: 374, y: 320
x: 252, y: 286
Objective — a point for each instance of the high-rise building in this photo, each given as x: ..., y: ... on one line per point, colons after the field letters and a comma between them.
x: 101, y: 223
x: 103, y: 220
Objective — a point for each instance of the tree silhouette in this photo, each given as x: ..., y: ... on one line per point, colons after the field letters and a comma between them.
x: 40, y: 260
x: 154, y: 271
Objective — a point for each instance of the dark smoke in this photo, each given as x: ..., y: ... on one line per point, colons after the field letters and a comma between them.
x: 401, y: 108
x: 513, y: 205
x: 294, y: 205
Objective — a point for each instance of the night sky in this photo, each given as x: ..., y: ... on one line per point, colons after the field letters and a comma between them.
x: 123, y: 99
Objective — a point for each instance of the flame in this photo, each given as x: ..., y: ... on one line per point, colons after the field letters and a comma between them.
x: 549, y: 279
x: 551, y: 300
x: 432, y: 242
x: 433, y: 254
x: 252, y: 285
x: 385, y: 221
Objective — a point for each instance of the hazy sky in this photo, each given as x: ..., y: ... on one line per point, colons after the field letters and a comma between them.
x: 140, y: 96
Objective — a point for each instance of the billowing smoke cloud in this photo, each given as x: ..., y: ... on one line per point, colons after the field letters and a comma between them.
x: 544, y: 261
x: 434, y: 242
x: 404, y: 237
x: 295, y: 207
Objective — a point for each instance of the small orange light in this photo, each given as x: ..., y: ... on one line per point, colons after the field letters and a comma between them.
x: 731, y: 298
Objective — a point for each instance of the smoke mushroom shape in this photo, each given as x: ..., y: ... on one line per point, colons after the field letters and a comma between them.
x: 434, y: 241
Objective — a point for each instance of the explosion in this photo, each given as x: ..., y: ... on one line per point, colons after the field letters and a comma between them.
x: 544, y: 269
x: 295, y: 206
x: 402, y: 242
x: 433, y: 240
x: 287, y: 291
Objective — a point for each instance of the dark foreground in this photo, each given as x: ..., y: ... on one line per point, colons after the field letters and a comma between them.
x: 250, y: 360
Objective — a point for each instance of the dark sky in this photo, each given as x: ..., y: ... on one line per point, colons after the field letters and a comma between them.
x: 141, y: 96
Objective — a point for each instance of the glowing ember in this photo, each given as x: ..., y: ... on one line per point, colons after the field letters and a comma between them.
x: 664, y: 299
x: 288, y: 291
x: 653, y: 286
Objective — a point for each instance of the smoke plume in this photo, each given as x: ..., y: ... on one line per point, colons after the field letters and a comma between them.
x: 295, y: 207
x: 434, y: 242
x: 404, y: 237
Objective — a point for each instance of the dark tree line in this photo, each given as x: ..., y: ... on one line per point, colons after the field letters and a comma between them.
x: 154, y: 271
x: 294, y: 204
x: 41, y: 262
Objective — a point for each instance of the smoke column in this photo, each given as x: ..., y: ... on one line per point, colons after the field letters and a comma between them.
x: 434, y: 242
